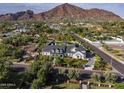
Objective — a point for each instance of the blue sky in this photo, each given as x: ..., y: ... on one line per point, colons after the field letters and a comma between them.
x: 117, y: 8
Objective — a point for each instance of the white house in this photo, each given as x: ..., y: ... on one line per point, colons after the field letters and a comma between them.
x: 79, y: 55
x: 73, y: 50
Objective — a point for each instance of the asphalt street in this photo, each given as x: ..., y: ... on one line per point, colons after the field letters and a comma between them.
x: 113, y: 61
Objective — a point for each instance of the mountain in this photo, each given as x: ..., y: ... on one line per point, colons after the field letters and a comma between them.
x: 23, y: 15
x: 64, y: 11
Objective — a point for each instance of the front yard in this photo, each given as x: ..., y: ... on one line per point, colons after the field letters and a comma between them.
x: 65, y: 86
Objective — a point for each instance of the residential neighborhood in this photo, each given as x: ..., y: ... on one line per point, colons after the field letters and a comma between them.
x: 66, y: 47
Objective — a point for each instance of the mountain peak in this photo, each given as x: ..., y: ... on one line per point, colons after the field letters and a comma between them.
x: 65, y: 4
x: 63, y: 11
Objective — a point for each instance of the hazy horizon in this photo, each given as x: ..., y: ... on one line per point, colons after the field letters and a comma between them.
x: 116, y: 8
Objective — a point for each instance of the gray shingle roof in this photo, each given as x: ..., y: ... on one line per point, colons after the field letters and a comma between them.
x: 64, y: 48
x: 77, y: 48
x: 54, y: 49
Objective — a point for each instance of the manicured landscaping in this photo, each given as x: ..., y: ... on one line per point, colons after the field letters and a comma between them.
x: 67, y: 86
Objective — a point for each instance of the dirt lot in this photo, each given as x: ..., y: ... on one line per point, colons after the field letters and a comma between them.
x: 118, y: 51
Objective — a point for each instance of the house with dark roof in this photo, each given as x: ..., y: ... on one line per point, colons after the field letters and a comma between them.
x: 70, y: 50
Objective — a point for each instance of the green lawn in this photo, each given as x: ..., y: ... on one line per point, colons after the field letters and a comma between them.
x: 67, y: 86
x: 96, y: 87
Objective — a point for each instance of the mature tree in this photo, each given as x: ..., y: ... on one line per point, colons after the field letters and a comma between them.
x: 18, y: 40
x: 39, y: 26
x: 96, y: 77
x: 42, y: 72
x: 59, y: 61
x: 42, y: 41
x: 35, y: 67
x: 4, y: 68
x: 100, y: 63
x: 109, y: 77
x: 6, y: 26
x: 37, y: 84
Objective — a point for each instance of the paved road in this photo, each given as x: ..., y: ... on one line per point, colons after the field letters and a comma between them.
x: 115, y: 63
x: 90, y: 64
x: 19, y: 67
x: 23, y: 67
